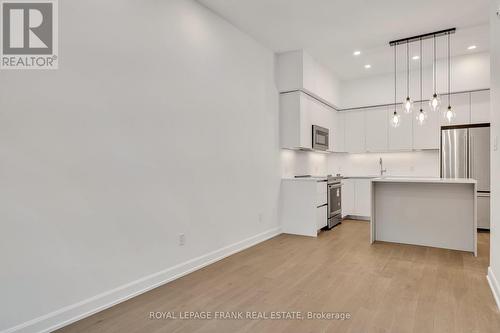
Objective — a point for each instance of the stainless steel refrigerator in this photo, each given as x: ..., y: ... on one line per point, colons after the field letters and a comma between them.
x: 465, y: 153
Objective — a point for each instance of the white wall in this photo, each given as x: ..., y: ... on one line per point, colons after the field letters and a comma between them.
x: 469, y: 72
x: 162, y: 119
x: 494, y: 272
x: 413, y: 164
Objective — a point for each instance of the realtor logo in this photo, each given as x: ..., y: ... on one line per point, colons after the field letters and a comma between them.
x: 29, y: 34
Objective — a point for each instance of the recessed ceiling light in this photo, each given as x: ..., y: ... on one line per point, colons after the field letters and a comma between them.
x: 416, y: 57
x: 368, y: 66
x: 357, y: 53
x: 472, y: 47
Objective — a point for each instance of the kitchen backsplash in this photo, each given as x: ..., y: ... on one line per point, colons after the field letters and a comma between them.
x: 295, y: 162
x: 413, y: 164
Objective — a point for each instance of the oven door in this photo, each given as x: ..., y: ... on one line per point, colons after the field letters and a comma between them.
x: 334, y: 199
x: 320, y: 138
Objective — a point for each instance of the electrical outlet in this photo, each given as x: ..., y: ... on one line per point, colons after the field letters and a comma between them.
x: 182, y: 239
x: 261, y: 217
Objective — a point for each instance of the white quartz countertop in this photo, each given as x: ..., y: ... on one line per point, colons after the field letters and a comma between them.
x: 305, y: 179
x: 424, y: 180
x: 390, y: 179
x: 360, y: 177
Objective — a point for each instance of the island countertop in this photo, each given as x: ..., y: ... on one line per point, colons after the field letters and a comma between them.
x: 425, y: 180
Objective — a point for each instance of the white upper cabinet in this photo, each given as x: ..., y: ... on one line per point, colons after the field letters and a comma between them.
x: 427, y: 136
x: 355, y: 131
x: 401, y: 138
x: 293, y: 121
x: 376, y: 129
x: 337, y: 138
x: 461, y: 104
x: 480, y: 107
x: 298, y: 113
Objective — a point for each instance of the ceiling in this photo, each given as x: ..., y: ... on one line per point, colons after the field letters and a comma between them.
x: 331, y: 30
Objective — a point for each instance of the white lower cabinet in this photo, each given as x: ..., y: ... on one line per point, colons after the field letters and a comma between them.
x: 321, y: 217
x: 483, y: 211
x: 303, y: 209
x: 363, y: 197
x: 356, y: 197
x: 348, y: 197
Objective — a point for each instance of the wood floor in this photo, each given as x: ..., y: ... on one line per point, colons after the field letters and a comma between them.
x: 385, y: 288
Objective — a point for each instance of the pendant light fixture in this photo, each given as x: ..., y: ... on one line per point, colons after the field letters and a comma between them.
x: 434, y: 102
x: 408, y: 103
x: 422, y: 115
x: 395, y: 118
x: 450, y: 113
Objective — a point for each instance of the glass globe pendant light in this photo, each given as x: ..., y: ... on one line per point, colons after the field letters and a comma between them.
x: 395, y: 118
x: 422, y: 115
x: 408, y: 103
x: 449, y: 114
x: 435, y: 101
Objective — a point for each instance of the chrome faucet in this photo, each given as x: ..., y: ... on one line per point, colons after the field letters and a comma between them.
x: 382, y: 170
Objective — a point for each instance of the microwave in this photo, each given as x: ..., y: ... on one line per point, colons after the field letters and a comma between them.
x: 320, y: 138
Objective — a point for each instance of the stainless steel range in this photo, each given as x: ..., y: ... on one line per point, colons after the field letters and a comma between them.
x: 334, y: 201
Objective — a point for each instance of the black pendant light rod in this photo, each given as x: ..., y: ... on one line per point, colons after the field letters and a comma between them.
x: 395, y: 81
x: 449, y: 72
x: 423, y: 37
x: 407, y: 69
x: 434, y: 68
x: 421, y: 85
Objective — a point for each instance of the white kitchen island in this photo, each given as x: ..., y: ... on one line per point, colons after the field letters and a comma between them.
x: 425, y: 211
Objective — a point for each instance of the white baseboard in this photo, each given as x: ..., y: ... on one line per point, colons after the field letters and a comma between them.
x: 494, y: 285
x: 85, y: 308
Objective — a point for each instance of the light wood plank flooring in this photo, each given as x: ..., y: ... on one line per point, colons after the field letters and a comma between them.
x: 385, y: 287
